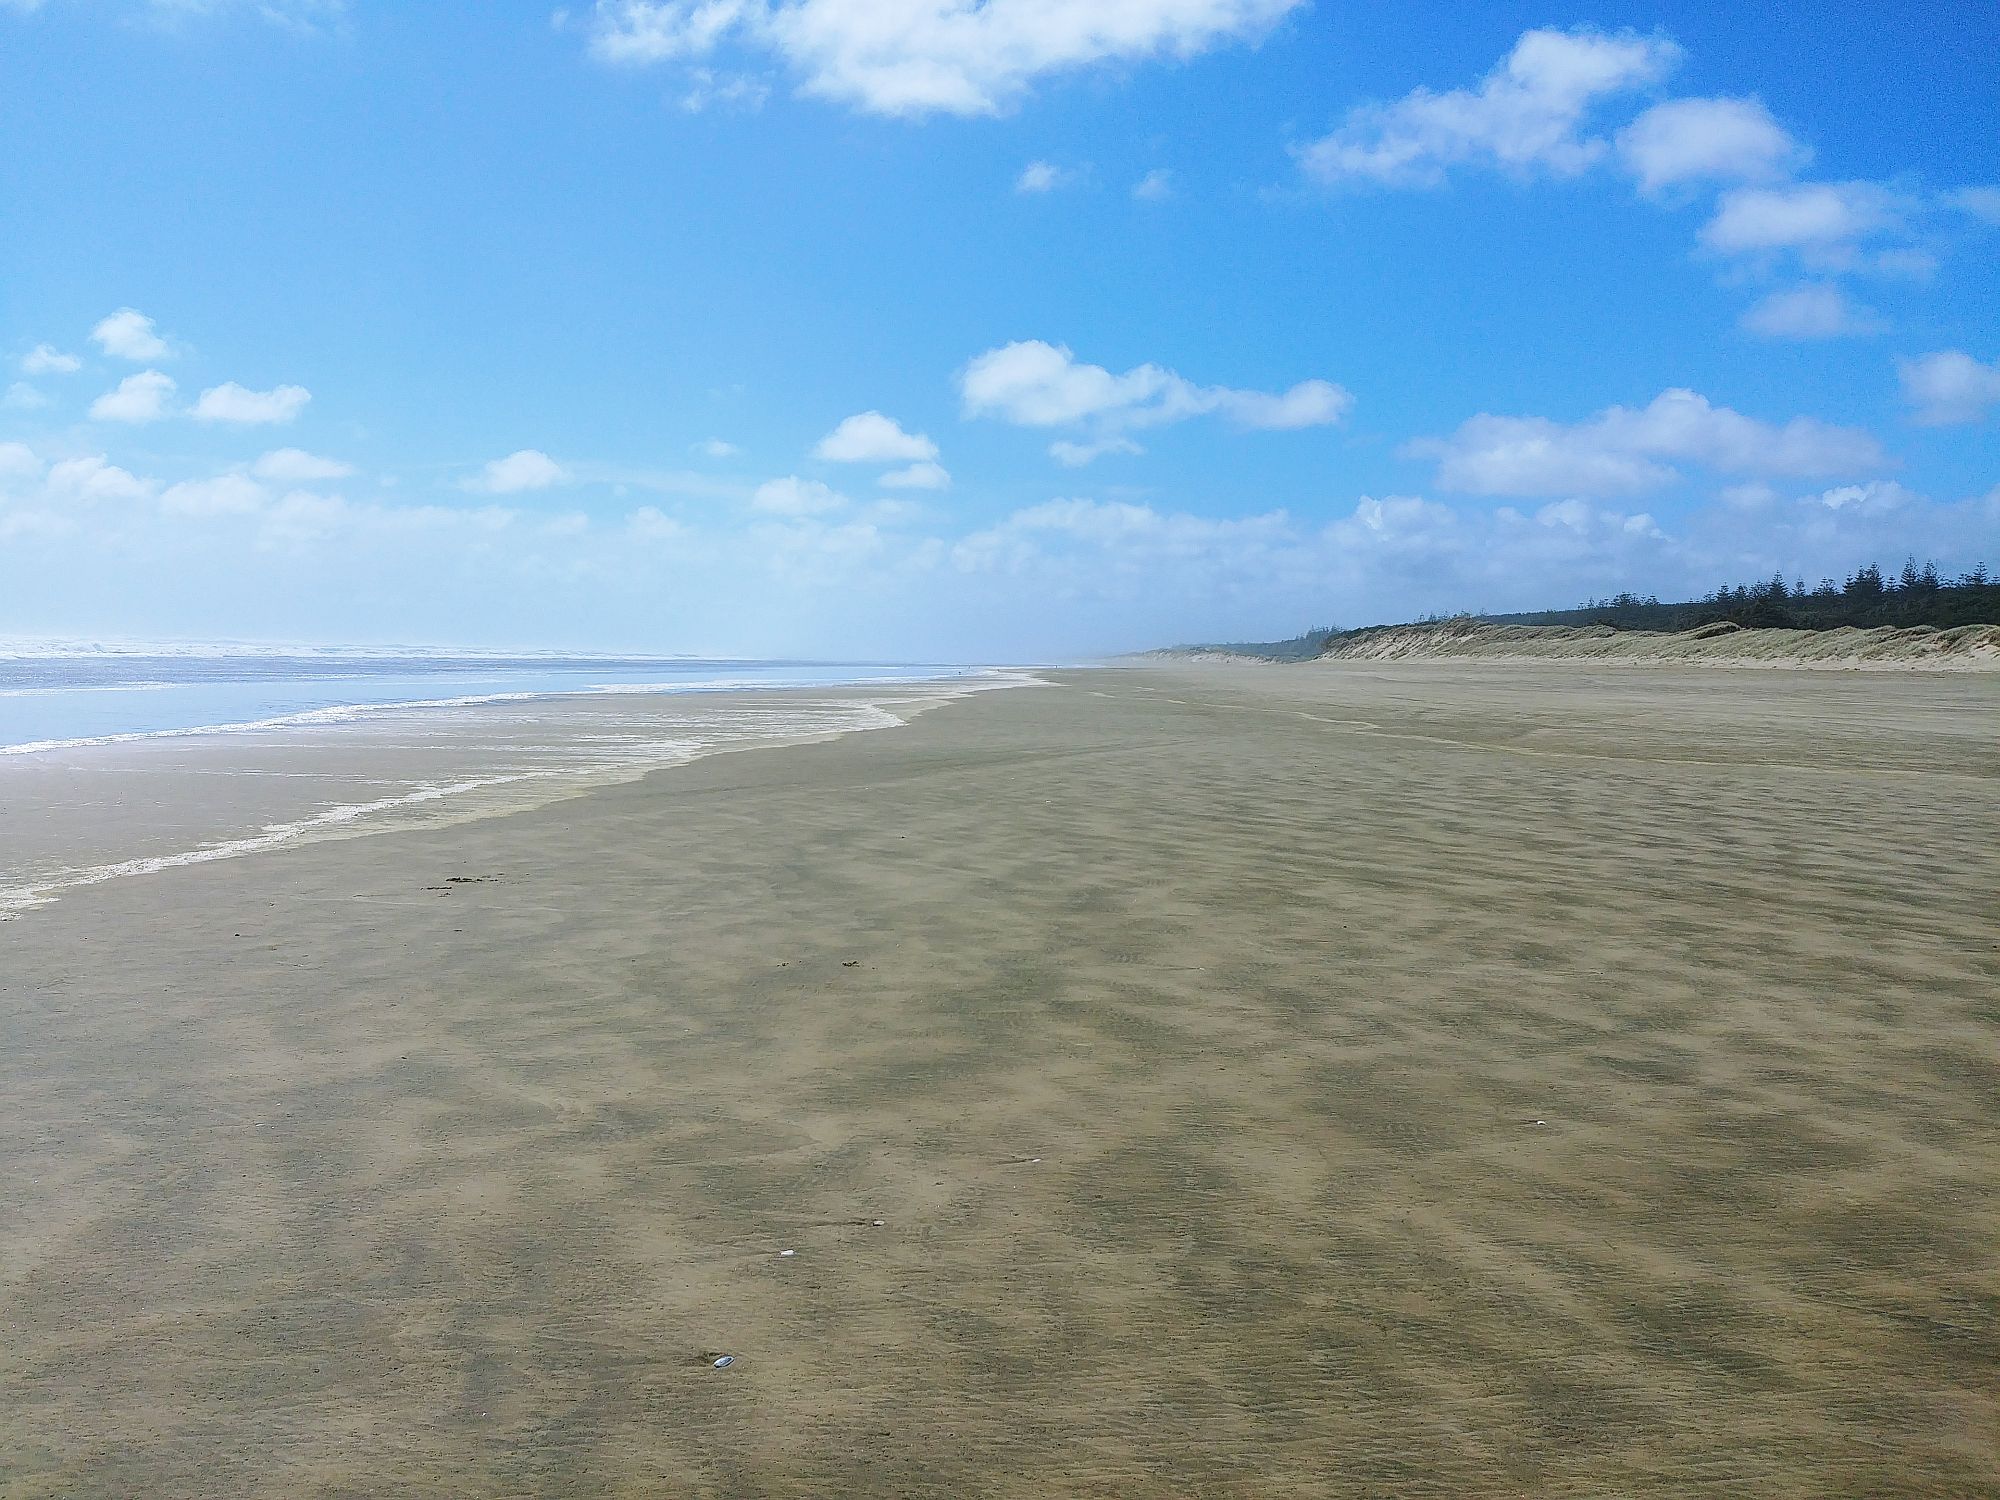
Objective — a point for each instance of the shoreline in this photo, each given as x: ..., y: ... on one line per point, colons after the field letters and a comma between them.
x: 1411, y: 1079
x: 346, y: 755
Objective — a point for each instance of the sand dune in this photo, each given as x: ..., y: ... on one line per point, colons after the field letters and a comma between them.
x: 1357, y: 1079
x: 1963, y: 648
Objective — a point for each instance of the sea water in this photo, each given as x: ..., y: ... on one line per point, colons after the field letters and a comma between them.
x: 68, y: 697
x: 132, y: 762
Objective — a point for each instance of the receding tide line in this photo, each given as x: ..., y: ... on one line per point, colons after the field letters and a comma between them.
x: 19, y: 898
x: 341, y: 713
x: 870, y: 711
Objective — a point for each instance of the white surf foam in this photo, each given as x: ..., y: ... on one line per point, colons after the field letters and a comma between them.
x: 619, y: 758
x: 21, y: 897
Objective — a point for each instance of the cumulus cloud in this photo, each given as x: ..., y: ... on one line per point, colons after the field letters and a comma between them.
x: 129, y: 334
x: 1820, y: 311
x: 137, y: 399
x: 24, y: 397
x: 1625, y: 451
x: 1041, y: 177
x: 793, y: 496
x: 45, y: 359
x: 871, y: 438
x: 1877, y: 497
x: 1949, y: 387
x: 1688, y: 140
x: 918, y: 476
x: 916, y: 57
x: 1036, y: 384
x: 231, y: 402
x: 93, y: 478
x: 716, y: 448
x: 529, y: 469
x: 1155, y: 187
x: 1811, y: 217
x: 1527, y: 116
x: 296, y: 466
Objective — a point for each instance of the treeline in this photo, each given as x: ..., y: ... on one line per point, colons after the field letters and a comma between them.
x: 1867, y: 598
x: 1294, y: 648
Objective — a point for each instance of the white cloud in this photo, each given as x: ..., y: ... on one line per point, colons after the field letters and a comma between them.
x: 18, y: 461
x: 651, y: 524
x: 916, y: 57
x: 1820, y: 311
x: 529, y: 469
x: 716, y: 448
x: 793, y: 496
x: 93, y: 478
x: 138, y: 398
x: 871, y: 438
x: 1041, y: 177
x: 306, y: 17
x: 1075, y: 455
x: 1687, y: 140
x: 23, y: 397
x: 1753, y: 496
x: 643, y: 31
x: 231, y: 402
x: 1526, y: 116
x: 45, y: 359
x: 918, y: 476
x: 1949, y: 387
x: 1036, y: 384
x: 894, y: 512
x: 1875, y: 498
x: 1980, y: 202
x: 1625, y: 451
x: 1816, y: 217
x: 296, y: 466
x: 1310, y: 403
x: 708, y: 89
x: 1155, y: 187
x: 129, y: 334
x: 225, y: 495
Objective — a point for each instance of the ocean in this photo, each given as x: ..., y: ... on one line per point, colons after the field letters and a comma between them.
x: 129, y: 762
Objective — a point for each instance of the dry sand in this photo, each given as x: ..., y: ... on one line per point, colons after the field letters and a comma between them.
x: 1345, y: 1080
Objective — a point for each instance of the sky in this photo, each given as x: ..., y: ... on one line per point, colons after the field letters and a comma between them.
x: 977, y: 329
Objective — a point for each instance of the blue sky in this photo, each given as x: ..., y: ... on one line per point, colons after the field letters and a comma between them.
x: 922, y: 328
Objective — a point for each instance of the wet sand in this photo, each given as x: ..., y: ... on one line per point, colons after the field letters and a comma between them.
x: 1366, y: 1079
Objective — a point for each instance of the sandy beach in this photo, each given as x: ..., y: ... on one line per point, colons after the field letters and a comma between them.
x: 1348, y: 1079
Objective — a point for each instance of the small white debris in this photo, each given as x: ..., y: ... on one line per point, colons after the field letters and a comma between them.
x: 725, y: 1362
x: 880, y: 1222
x: 788, y: 1252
